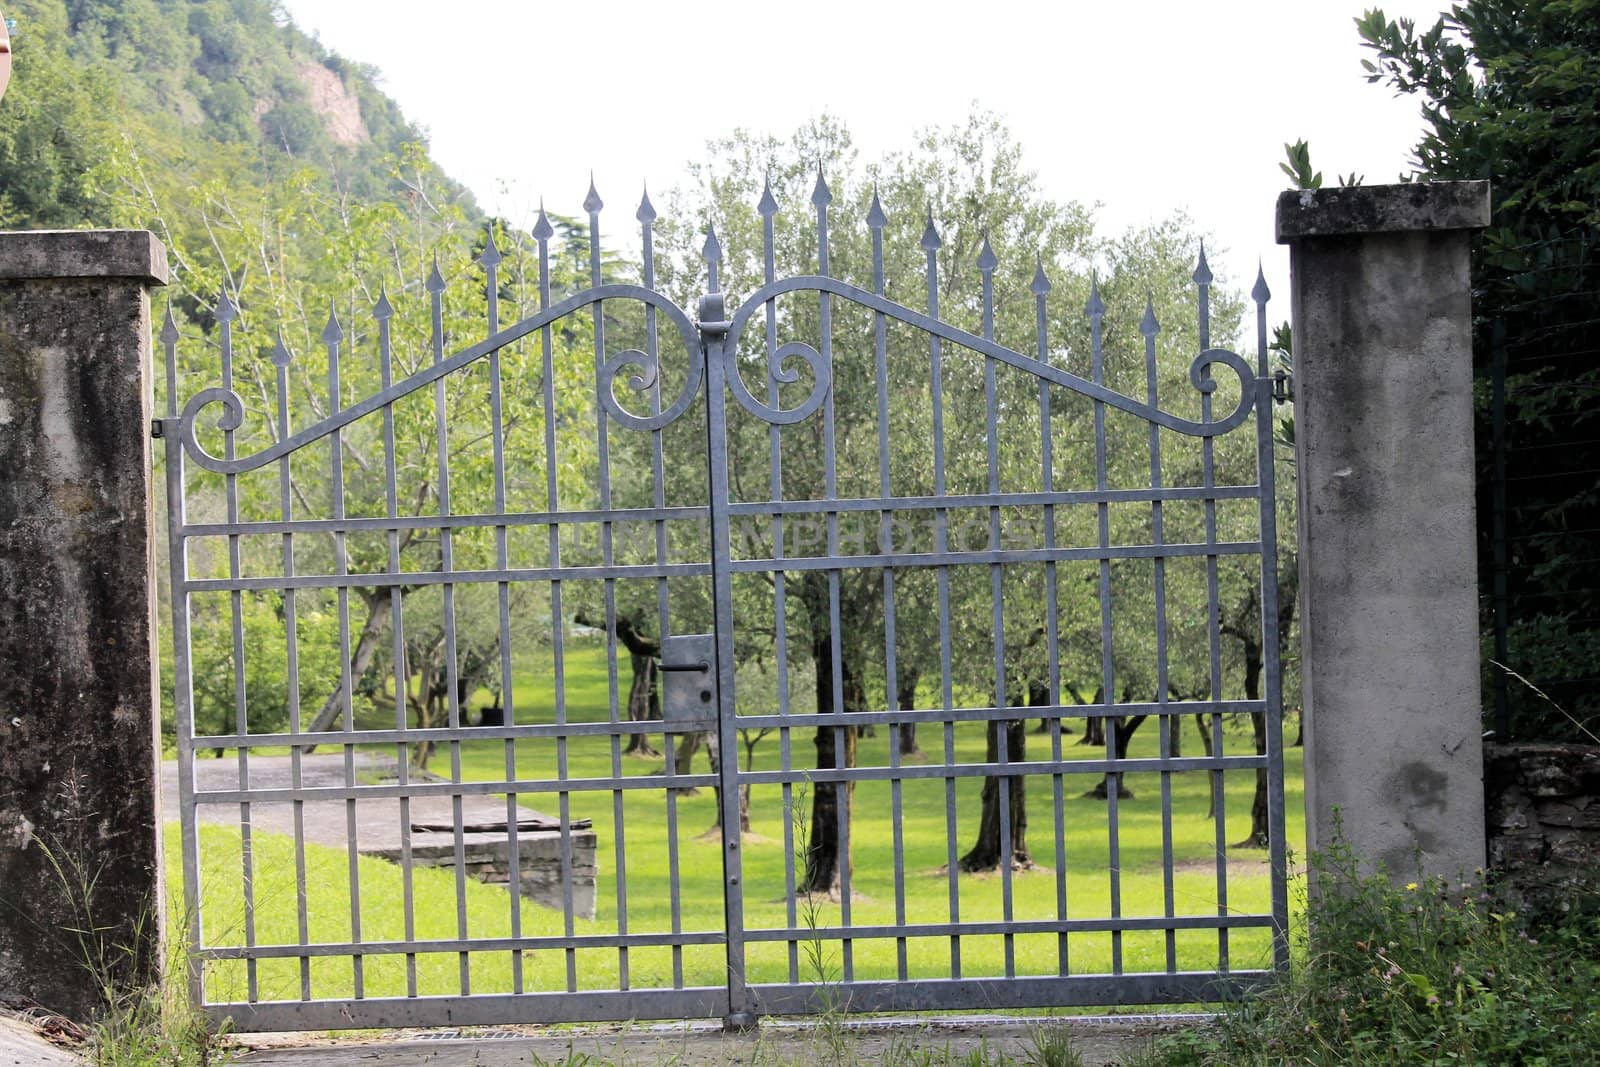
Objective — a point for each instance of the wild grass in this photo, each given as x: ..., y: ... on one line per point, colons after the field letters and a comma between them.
x: 1432, y: 971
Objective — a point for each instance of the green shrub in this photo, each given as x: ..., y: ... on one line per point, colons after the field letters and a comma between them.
x: 1428, y: 972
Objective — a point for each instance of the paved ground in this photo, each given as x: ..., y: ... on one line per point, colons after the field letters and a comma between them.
x: 377, y: 819
x: 1102, y: 1041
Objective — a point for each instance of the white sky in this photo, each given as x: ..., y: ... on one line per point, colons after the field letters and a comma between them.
x: 1144, y: 106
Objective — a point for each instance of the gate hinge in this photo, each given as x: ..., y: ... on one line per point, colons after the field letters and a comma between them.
x: 1282, y: 386
x: 156, y: 429
x: 712, y: 324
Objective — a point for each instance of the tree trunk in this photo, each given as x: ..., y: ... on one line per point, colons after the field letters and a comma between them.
x: 906, y: 700
x: 360, y: 660
x: 683, y: 759
x: 826, y: 856
x: 1259, y: 835
x: 1093, y: 728
x: 644, y: 701
x: 1204, y: 726
x: 1122, y: 732
x: 988, y: 852
x: 643, y: 704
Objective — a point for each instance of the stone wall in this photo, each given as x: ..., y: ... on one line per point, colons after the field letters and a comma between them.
x: 487, y: 856
x: 1543, y: 810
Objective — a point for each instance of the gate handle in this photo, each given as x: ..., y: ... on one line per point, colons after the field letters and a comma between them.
x: 701, y: 666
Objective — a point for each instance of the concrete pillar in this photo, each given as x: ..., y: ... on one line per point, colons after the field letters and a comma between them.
x: 1388, y: 574
x: 80, y: 856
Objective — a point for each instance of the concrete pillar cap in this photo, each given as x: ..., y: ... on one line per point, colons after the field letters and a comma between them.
x: 1358, y: 209
x: 38, y: 254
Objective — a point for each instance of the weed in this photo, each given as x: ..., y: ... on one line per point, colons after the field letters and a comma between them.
x: 1431, y: 971
x: 818, y: 951
x: 1052, y: 1047
x: 138, y: 1026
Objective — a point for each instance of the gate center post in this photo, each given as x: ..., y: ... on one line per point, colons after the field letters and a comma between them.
x: 713, y: 327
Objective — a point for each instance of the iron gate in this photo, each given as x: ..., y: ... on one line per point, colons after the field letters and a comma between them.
x: 911, y: 527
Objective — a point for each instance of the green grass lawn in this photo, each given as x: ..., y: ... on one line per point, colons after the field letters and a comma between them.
x: 655, y: 858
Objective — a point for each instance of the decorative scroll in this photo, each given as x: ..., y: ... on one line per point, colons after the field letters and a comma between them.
x: 233, y: 406
x: 1199, y: 370
x: 821, y: 382
x: 649, y: 367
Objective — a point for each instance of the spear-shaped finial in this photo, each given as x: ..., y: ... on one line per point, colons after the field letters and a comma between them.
x: 1095, y: 308
x: 280, y: 354
x: 383, y: 309
x: 647, y: 211
x: 1202, y: 272
x: 821, y: 195
x: 1148, y: 325
x: 1041, y: 284
x: 711, y: 251
x: 768, y: 205
x: 877, y: 219
x: 169, y: 328
x: 491, y: 252
x: 227, y: 310
x: 542, y: 230
x: 930, y: 236
x: 592, y: 203
x: 1260, y: 294
x: 332, y: 333
x: 987, y: 260
x: 435, y: 282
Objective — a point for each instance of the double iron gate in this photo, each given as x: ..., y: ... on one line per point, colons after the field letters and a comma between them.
x: 887, y: 591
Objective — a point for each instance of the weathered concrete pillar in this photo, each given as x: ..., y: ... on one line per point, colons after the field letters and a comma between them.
x: 1388, y: 574
x: 80, y: 870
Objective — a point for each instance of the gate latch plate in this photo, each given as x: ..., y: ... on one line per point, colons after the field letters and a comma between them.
x: 688, y: 687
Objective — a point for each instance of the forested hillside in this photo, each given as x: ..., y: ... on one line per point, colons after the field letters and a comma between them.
x: 116, y: 107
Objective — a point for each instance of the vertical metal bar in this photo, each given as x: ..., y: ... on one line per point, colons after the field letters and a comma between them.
x: 543, y: 231
x: 182, y: 669
x: 821, y: 197
x: 941, y: 545
x: 592, y: 204
x: 1502, y: 616
x: 1150, y: 328
x: 768, y: 208
x: 435, y: 288
x: 383, y: 311
x: 1052, y: 619
x: 876, y: 221
x: 986, y: 264
x: 281, y: 358
x: 332, y: 335
x: 225, y: 315
x: 1208, y: 470
x: 741, y: 1006
x: 1096, y: 310
x: 1272, y: 674
x: 646, y: 215
x: 491, y: 260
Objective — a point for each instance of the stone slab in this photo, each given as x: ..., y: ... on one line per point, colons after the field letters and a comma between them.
x: 378, y: 821
x: 43, y: 254
x: 1413, y: 207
